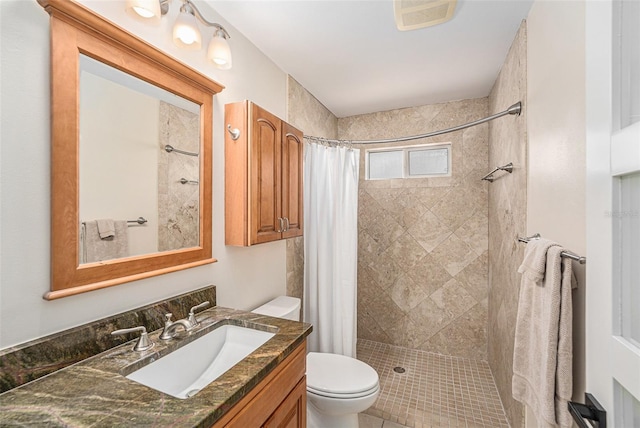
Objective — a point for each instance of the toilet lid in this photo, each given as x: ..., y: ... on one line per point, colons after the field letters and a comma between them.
x: 333, y: 374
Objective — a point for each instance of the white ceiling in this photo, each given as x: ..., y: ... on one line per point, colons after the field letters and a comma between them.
x: 352, y: 58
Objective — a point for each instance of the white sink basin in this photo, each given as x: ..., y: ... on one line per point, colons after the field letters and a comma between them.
x: 185, y: 371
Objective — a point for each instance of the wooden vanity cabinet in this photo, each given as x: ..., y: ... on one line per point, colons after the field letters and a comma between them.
x: 279, y: 401
x: 263, y: 177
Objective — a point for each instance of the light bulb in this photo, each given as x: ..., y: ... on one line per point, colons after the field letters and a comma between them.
x: 145, y: 13
x: 185, y: 31
x: 144, y: 10
x: 186, y: 34
x: 219, y: 51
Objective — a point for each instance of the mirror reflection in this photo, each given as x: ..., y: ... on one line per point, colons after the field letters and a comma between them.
x: 139, y: 167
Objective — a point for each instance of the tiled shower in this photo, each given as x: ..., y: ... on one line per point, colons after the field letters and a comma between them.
x: 422, y: 256
x: 178, y: 201
x: 436, y: 256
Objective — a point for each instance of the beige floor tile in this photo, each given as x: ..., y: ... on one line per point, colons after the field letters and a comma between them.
x: 390, y: 424
x: 368, y: 421
x: 435, y: 391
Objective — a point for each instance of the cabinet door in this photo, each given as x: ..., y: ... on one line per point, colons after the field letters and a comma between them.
x: 266, y: 180
x: 292, y: 413
x: 292, y: 180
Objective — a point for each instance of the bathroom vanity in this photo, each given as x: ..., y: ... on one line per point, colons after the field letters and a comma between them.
x: 279, y: 400
x: 266, y: 388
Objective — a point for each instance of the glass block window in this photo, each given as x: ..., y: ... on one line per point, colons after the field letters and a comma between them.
x: 386, y: 164
x: 429, y: 160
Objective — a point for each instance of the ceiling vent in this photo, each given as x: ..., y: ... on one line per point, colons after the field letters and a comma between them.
x: 414, y: 14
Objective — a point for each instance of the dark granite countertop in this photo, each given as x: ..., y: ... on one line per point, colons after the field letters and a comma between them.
x: 94, y: 393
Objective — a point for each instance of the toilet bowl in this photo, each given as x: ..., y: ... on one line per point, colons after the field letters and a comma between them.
x: 338, y: 387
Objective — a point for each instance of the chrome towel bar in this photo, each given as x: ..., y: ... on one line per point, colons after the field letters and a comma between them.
x: 489, y: 177
x: 139, y: 220
x: 567, y: 254
x: 169, y: 148
x: 185, y: 181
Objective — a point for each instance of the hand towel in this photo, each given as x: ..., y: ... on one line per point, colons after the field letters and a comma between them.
x: 97, y: 249
x: 106, y: 228
x: 543, y: 354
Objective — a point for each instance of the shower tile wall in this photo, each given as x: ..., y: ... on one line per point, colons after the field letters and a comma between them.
x: 178, y: 208
x: 306, y: 113
x: 422, y: 257
x: 507, y: 220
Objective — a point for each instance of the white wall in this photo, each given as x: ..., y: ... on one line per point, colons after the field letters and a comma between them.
x: 245, y: 277
x: 556, y: 130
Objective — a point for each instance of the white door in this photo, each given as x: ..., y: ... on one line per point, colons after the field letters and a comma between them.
x: 613, y: 208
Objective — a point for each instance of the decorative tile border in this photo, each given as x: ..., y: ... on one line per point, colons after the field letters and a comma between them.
x: 31, y: 360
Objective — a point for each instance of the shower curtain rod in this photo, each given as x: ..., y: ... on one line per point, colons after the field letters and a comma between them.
x: 515, y: 109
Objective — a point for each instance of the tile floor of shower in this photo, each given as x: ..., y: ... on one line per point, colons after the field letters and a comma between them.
x: 435, y: 391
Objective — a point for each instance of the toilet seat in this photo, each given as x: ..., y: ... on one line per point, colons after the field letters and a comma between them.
x: 339, y: 376
x: 343, y: 396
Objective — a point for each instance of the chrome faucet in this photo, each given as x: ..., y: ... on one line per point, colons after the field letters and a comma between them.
x: 187, y: 324
x: 170, y: 327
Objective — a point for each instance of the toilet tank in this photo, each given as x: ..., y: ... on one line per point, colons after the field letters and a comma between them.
x: 281, y: 307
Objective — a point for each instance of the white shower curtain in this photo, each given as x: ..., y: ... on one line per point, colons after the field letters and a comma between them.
x: 331, y: 247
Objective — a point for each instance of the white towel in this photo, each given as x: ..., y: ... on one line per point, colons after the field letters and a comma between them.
x: 106, y: 228
x: 543, y: 354
x: 97, y: 249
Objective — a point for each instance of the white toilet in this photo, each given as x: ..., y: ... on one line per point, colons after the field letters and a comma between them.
x: 338, y: 387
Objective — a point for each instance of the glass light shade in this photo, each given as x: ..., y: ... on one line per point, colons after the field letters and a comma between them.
x: 219, y: 52
x: 144, y: 10
x: 185, y: 32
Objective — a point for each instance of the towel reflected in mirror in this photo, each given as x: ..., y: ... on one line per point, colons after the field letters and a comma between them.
x: 95, y: 248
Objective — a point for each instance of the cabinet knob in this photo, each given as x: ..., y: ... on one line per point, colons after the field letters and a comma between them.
x: 286, y: 224
x: 281, y: 221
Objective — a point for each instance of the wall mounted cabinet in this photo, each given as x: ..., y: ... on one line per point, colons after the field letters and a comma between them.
x: 263, y: 177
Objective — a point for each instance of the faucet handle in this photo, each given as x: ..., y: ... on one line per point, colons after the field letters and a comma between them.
x: 167, y: 319
x: 192, y: 313
x: 143, y: 342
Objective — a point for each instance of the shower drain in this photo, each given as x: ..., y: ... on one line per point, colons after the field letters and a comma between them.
x: 399, y: 369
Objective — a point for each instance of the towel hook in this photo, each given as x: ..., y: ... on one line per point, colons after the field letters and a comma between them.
x: 235, y: 132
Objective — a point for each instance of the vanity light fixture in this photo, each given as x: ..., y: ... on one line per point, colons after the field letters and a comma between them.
x: 185, y: 29
x: 147, y: 10
x: 219, y: 51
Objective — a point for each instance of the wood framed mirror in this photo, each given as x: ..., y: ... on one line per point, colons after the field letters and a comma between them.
x: 80, y: 37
